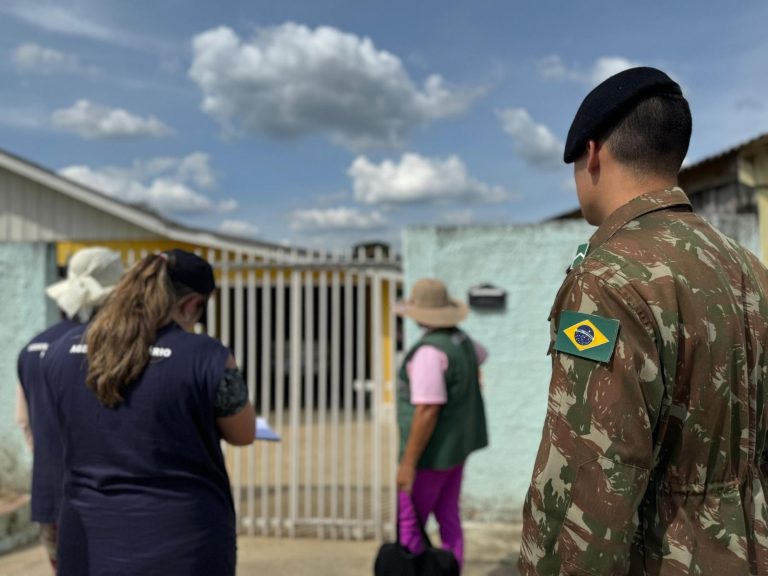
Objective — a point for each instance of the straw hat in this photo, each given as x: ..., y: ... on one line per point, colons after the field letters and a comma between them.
x: 92, y: 274
x: 430, y: 305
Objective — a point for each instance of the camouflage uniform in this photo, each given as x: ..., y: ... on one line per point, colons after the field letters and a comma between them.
x: 651, y: 463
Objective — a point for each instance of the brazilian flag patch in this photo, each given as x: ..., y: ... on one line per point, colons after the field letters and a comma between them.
x: 587, y: 336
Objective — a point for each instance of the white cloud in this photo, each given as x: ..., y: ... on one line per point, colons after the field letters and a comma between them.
x: 418, y: 179
x: 290, y: 80
x: 197, y: 169
x: 163, y: 184
x: 161, y: 194
x: 336, y: 219
x: 606, y: 67
x: 71, y: 21
x: 534, y: 142
x: 60, y: 19
x: 553, y: 68
x: 31, y: 58
x: 94, y: 121
x: 239, y: 228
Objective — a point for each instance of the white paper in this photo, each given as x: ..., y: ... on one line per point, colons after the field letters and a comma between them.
x: 264, y: 432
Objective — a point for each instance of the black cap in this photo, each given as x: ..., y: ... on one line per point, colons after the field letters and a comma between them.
x: 612, y: 100
x: 190, y: 270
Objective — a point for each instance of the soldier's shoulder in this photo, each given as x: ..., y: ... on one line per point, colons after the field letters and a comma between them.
x: 745, y: 255
x: 757, y: 266
x: 616, y: 268
x: 591, y: 280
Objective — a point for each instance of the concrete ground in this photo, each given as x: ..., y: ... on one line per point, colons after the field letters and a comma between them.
x: 259, y: 474
x: 491, y: 550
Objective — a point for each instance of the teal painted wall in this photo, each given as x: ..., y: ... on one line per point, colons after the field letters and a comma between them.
x: 529, y: 262
x: 26, y: 270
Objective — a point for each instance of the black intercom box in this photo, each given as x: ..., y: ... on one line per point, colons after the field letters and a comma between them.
x: 487, y: 297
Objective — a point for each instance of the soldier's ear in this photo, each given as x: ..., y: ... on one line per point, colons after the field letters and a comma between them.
x: 593, y: 156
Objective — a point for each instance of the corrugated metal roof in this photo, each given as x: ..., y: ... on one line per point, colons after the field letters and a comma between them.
x: 140, y: 216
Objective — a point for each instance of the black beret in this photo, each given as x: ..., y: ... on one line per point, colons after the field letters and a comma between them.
x: 190, y: 270
x: 610, y: 101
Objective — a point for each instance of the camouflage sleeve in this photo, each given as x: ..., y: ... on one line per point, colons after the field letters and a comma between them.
x: 594, y: 460
x: 759, y: 279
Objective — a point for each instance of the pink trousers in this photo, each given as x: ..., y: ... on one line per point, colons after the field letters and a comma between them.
x: 434, y: 492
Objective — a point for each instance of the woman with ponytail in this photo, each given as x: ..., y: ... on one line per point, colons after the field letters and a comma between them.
x: 142, y: 404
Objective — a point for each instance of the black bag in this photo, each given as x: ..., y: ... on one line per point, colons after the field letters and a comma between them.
x: 394, y: 559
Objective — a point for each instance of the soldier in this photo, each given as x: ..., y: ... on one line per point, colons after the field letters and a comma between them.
x: 656, y: 423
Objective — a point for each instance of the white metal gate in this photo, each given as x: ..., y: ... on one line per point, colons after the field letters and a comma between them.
x: 317, y: 341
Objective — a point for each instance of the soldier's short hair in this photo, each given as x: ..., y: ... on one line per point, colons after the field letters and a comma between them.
x: 653, y: 137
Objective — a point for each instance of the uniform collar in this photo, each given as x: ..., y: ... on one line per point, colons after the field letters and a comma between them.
x: 170, y: 327
x: 644, y: 204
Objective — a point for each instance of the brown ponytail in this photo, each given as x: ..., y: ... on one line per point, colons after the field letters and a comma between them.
x: 126, y: 326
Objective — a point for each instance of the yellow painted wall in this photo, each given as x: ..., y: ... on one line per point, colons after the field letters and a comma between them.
x: 754, y: 173
x: 762, y: 214
x: 387, y: 343
x: 133, y: 251
x: 64, y: 250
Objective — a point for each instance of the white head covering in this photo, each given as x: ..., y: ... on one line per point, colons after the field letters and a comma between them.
x: 91, y: 275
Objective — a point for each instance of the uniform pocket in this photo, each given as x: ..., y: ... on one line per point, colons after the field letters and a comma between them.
x: 601, y: 517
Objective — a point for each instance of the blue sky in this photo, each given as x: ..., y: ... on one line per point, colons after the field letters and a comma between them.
x: 325, y: 123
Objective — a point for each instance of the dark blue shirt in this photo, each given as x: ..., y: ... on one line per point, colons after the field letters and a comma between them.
x: 146, y: 489
x: 46, y: 464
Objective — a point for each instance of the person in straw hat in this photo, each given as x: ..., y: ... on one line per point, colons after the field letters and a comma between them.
x: 440, y: 415
x: 91, y: 275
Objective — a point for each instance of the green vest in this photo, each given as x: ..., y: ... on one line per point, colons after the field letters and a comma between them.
x: 461, y: 427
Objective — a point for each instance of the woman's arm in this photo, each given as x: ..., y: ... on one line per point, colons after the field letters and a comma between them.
x: 238, y: 422
x: 22, y: 415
